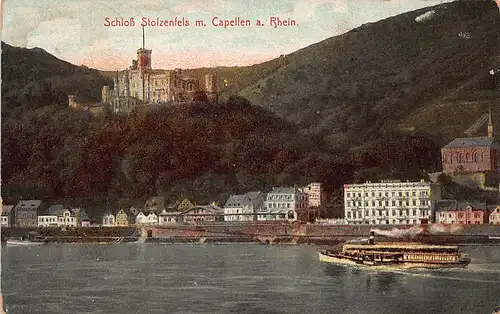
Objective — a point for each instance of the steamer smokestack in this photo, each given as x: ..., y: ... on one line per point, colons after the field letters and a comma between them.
x: 371, y: 239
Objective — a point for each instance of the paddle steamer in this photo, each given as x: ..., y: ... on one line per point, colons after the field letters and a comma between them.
x: 397, y: 254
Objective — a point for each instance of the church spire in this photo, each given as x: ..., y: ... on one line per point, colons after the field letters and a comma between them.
x: 490, y: 125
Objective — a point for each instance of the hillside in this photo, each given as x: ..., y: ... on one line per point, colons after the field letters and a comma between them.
x: 395, y: 74
x: 34, y: 78
x: 197, y: 151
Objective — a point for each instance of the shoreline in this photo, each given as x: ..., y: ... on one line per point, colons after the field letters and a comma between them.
x: 276, y: 240
x: 314, y: 234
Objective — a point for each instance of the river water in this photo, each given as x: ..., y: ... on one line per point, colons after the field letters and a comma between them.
x: 235, y: 278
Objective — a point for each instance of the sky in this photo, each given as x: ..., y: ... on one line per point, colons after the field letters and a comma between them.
x: 75, y: 31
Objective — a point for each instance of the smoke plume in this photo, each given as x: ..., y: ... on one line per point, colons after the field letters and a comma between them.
x: 417, y: 230
x: 399, y: 233
x: 436, y: 228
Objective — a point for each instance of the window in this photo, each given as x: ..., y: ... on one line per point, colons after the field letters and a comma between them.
x: 348, y: 194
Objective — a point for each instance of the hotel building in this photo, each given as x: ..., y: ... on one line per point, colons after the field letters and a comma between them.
x: 390, y: 202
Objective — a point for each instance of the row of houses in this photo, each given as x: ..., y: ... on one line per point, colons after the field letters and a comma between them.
x: 404, y: 203
x: 155, y: 213
x: 34, y: 213
x: 280, y: 203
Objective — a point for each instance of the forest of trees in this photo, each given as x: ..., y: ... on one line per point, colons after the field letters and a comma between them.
x: 201, y: 151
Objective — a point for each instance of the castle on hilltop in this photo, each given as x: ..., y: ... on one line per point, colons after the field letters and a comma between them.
x: 141, y: 85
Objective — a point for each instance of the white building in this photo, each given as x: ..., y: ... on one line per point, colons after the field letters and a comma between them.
x: 108, y: 220
x: 67, y: 219
x: 57, y: 216
x: 315, y: 193
x: 166, y: 218
x: 494, y: 218
x: 243, y: 207
x: 283, y: 204
x: 152, y: 219
x: 149, y: 219
x: 141, y: 219
x: 390, y: 202
x: 5, y: 217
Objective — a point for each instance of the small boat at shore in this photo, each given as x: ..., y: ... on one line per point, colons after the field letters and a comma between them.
x: 21, y: 242
x: 396, y: 255
x: 25, y: 241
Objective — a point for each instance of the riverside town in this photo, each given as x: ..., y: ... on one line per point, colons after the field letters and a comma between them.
x: 265, y: 157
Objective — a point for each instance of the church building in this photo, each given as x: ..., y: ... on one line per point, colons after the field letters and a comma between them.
x: 472, y: 154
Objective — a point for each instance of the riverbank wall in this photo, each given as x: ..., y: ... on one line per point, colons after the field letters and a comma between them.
x: 265, y: 233
x: 74, y: 235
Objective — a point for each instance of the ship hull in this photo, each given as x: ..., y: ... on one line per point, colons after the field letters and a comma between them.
x: 344, y: 260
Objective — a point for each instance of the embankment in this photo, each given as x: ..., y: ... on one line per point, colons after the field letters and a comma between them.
x: 266, y: 233
x: 73, y: 235
x: 320, y: 234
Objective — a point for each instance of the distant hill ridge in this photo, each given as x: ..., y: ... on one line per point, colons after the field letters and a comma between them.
x: 36, y: 77
x: 385, y: 75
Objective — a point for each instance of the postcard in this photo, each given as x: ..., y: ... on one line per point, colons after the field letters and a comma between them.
x: 229, y: 156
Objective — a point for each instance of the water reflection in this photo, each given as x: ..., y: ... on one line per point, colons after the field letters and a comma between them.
x: 385, y: 281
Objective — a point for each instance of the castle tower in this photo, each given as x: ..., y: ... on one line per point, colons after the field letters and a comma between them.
x: 116, y: 86
x: 144, y: 64
x: 490, y: 125
x: 143, y: 60
x: 126, y: 84
x: 106, y: 94
x: 143, y: 56
x: 211, y: 87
